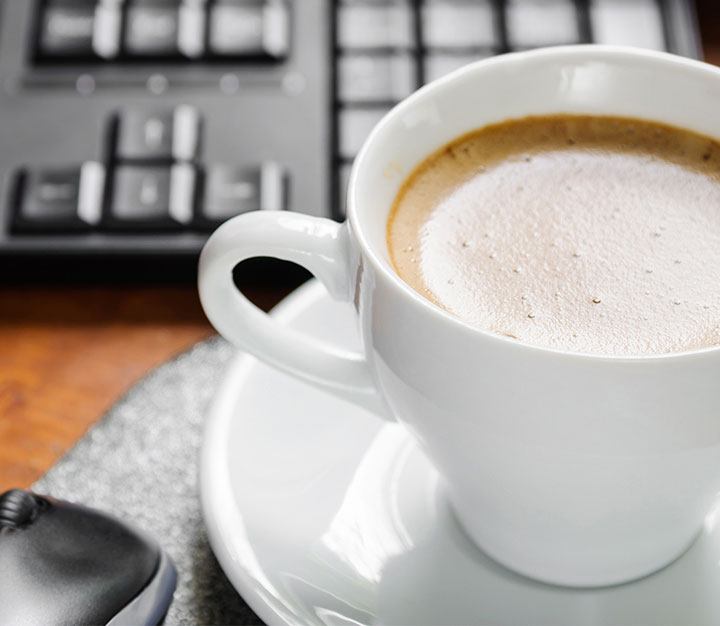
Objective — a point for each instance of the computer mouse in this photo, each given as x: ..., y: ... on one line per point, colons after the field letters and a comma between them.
x: 62, y: 563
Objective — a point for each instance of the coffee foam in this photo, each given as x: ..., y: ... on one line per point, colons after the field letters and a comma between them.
x: 610, y: 248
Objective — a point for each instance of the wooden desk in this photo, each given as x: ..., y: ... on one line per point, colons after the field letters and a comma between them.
x: 67, y: 354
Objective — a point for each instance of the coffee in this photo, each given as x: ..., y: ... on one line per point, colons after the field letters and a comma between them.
x: 581, y: 233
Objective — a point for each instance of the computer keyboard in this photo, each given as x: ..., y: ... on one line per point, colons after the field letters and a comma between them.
x: 131, y: 128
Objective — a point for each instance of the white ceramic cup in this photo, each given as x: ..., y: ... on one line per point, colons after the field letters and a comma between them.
x: 575, y: 469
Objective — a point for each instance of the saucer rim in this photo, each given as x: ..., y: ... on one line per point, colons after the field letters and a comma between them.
x: 213, y: 456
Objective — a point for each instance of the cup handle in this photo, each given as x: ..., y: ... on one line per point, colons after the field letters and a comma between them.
x: 321, y: 246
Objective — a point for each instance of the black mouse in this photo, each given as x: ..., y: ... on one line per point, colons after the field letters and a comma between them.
x: 62, y: 563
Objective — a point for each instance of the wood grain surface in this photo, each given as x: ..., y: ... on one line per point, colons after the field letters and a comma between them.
x: 67, y: 354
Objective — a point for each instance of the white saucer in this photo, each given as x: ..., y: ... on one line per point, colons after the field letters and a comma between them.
x: 320, y: 513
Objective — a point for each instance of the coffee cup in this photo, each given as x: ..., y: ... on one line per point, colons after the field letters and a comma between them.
x: 574, y: 469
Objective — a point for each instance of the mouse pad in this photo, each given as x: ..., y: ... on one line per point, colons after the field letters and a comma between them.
x: 139, y: 463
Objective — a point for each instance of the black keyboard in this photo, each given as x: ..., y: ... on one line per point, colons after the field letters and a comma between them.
x: 131, y: 128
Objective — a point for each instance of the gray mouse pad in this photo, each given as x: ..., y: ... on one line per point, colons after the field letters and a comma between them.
x: 140, y: 463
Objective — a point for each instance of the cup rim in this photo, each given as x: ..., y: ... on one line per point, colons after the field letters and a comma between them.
x: 584, y: 52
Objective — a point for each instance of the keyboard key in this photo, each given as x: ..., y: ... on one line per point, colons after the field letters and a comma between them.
x: 50, y: 196
x: 236, y: 29
x: 354, y: 127
x: 249, y: 28
x: 66, y: 29
x: 91, y: 194
x: 107, y: 29
x: 533, y: 23
x: 191, y: 28
x: 153, y: 197
x: 141, y: 194
x: 375, y: 78
x: 158, y: 135
x: 458, y: 24
x: 273, y: 187
x: 62, y: 198
x: 438, y: 65
x: 231, y: 190
x: 627, y: 22
x: 375, y: 25
x: 151, y: 29
x: 145, y: 135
